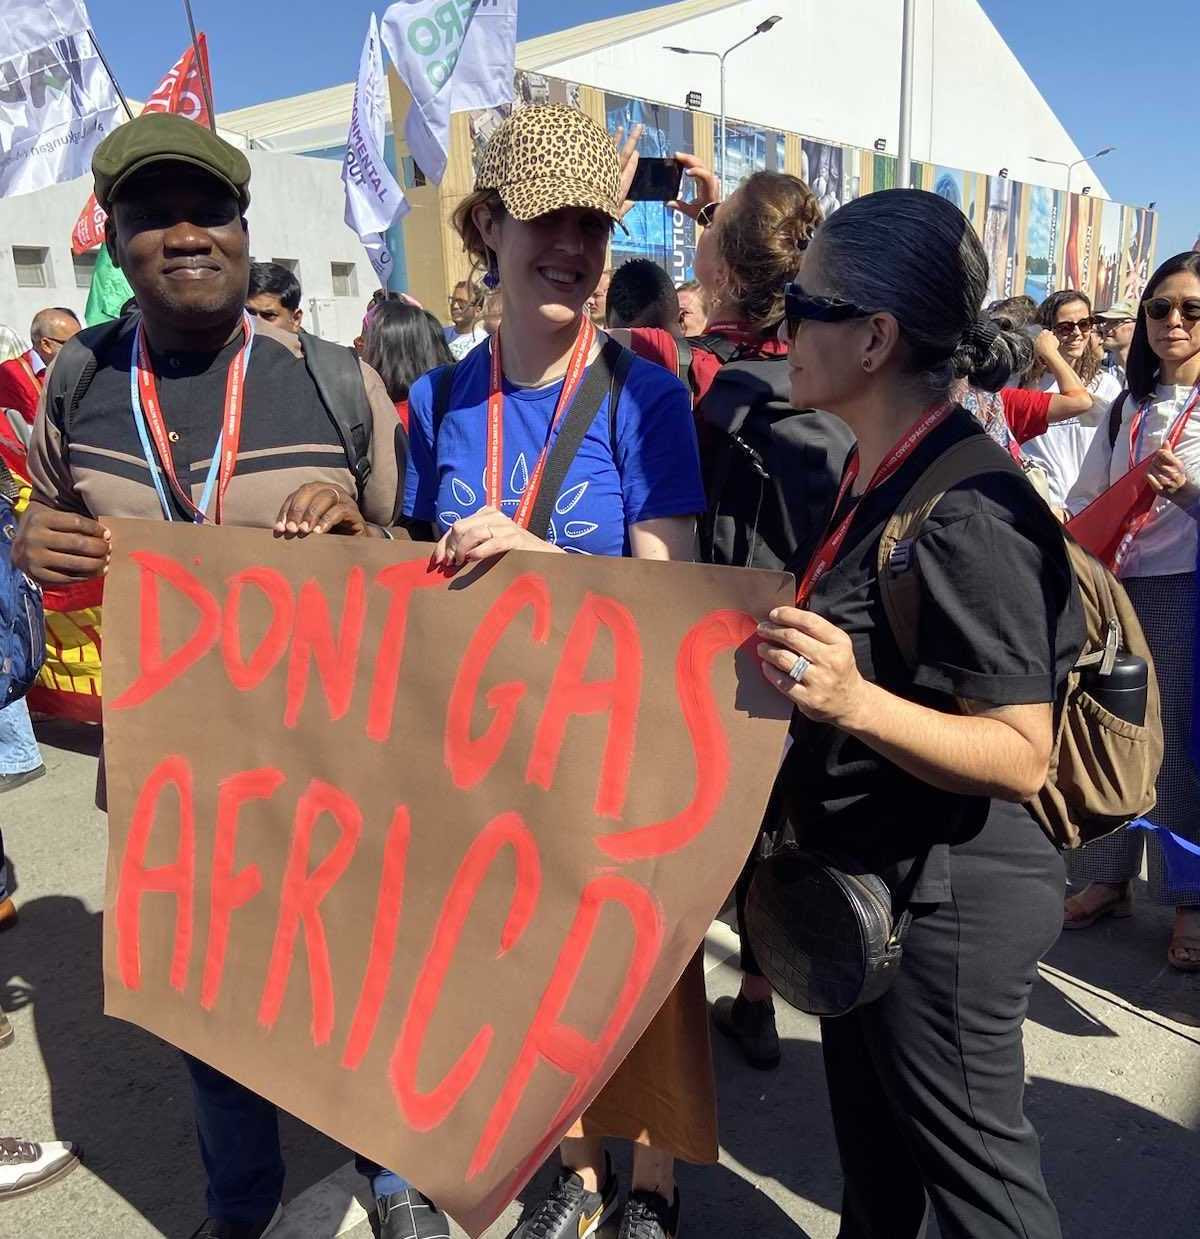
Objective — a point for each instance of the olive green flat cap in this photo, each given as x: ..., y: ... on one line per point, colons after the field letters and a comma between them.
x: 162, y: 137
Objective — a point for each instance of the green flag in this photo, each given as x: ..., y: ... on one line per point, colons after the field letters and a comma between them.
x: 110, y: 290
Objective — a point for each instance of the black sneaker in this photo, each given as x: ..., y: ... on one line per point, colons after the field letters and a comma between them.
x: 648, y: 1216
x: 409, y: 1215
x: 213, y: 1228
x: 752, y: 1026
x: 570, y: 1212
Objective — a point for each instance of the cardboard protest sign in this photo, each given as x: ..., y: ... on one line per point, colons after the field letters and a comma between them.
x: 419, y: 857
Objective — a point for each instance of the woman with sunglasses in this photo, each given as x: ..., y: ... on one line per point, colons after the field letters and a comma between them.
x: 632, y: 488
x: 1160, y: 420
x: 1060, y: 451
x: 917, y: 772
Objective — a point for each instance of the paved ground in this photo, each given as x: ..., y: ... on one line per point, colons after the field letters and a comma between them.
x: 1113, y: 1049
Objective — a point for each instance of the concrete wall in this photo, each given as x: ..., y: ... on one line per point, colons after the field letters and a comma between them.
x: 831, y: 70
x: 295, y: 212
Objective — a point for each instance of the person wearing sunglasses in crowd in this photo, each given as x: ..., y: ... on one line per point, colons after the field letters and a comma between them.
x: 632, y: 488
x: 1160, y: 420
x: 1060, y: 451
x: 917, y: 772
x: 465, y: 330
x: 1114, y: 326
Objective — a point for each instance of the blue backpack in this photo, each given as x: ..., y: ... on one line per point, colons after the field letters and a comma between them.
x: 22, y: 620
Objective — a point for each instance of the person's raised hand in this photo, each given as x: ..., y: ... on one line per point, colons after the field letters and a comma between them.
x: 319, y: 507
x: 484, y: 535
x: 704, y: 179
x: 1045, y: 345
x: 628, y: 157
x: 831, y: 689
x: 60, y: 548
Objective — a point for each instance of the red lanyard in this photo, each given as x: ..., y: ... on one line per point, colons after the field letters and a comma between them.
x: 494, y: 464
x: 231, y: 423
x: 1138, y: 522
x: 824, y: 559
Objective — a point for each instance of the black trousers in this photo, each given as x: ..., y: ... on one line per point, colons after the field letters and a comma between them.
x: 927, y: 1083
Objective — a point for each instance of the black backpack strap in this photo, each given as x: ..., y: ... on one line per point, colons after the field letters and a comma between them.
x: 621, y: 366
x: 75, y: 367
x: 1114, y: 417
x: 443, y: 382
x: 597, y: 384
x: 337, y: 376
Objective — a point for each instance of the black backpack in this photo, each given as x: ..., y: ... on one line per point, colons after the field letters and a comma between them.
x: 771, y: 472
x: 334, y: 369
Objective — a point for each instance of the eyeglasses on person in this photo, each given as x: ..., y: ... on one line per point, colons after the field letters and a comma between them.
x: 1159, y: 308
x: 706, y: 214
x: 1065, y: 331
x: 799, y: 305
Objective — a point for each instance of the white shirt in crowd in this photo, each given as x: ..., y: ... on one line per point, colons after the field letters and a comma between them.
x: 460, y: 346
x: 1060, y: 451
x: 1168, y: 542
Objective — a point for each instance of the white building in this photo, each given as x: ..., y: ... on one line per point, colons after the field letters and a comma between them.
x: 829, y: 70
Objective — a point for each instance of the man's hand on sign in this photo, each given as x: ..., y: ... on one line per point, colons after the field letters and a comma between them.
x: 60, y: 548
x: 708, y: 187
x: 831, y: 688
x: 485, y: 535
x: 627, y: 154
x: 320, y: 507
x: 1168, y: 477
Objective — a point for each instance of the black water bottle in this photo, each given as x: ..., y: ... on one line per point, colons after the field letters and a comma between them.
x: 1123, y: 691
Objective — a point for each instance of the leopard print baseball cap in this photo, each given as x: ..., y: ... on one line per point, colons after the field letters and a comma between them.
x: 549, y: 156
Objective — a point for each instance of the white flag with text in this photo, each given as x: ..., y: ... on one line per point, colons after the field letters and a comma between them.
x: 374, y: 201
x: 454, y: 56
x: 56, y: 100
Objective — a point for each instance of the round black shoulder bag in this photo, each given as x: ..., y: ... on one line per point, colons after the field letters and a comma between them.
x: 823, y: 929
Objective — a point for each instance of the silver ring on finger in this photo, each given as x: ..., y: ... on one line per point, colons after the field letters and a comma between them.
x: 799, y: 669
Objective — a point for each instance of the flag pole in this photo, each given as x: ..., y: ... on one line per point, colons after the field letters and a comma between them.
x: 200, y: 66
x: 112, y: 77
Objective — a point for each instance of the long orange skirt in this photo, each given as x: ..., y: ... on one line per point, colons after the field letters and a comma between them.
x: 664, y: 1094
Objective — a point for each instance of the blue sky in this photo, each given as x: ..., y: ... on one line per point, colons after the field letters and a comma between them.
x: 1095, y: 64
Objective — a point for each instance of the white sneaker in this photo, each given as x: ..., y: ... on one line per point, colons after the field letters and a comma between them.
x: 26, y: 1166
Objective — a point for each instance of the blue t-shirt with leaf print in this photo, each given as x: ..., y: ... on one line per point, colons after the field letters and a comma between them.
x: 654, y: 471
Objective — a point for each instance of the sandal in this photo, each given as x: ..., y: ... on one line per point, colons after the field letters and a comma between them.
x: 1184, y: 943
x: 1119, y: 907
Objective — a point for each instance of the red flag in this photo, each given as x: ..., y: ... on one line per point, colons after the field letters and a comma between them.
x: 1103, y: 524
x: 182, y: 92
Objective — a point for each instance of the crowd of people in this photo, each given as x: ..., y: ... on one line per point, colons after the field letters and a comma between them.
x: 773, y: 412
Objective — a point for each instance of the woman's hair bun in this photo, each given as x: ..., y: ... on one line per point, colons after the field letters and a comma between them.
x: 991, y: 353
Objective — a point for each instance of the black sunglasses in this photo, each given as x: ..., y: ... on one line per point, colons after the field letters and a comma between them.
x: 1158, y: 308
x: 798, y: 306
x: 1065, y: 331
x: 706, y: 214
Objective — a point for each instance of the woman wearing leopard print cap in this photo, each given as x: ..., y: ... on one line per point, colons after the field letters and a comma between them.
x: 549, y: 190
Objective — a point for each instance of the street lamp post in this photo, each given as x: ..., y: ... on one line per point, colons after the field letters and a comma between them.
x: 1070, y: 167
x: 762, y: 28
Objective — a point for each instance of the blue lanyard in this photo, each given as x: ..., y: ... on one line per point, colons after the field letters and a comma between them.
x: 139, y: 420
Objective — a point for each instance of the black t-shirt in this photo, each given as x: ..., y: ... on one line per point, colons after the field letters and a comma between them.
x: 1000, y: 623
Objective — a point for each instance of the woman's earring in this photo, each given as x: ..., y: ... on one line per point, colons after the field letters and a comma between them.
x: 491, y: 278
x: 866, y: 363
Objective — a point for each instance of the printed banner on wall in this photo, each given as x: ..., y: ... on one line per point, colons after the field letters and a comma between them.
x: 419, y: 858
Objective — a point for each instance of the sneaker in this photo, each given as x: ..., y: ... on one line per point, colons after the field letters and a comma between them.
x: 752, y: 1026
x: 569, y: 1211
x: 6, y: 1029
x: 409, y: 1215
x: 9, y: 782
x: 214, y: 1228
x: 648, y: 1216
x: 26, y: 1166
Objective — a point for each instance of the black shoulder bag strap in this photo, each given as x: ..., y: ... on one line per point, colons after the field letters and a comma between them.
x: 443, y: 381
x: 338, y: 378
x: 1114, y: 417
x: 597, y: 384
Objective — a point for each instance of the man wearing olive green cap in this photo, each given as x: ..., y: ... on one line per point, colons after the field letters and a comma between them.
x: 176, y: 197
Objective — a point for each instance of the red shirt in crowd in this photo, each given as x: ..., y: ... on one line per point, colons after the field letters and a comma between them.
x: 1027, y: 412
x: 20, y: 387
